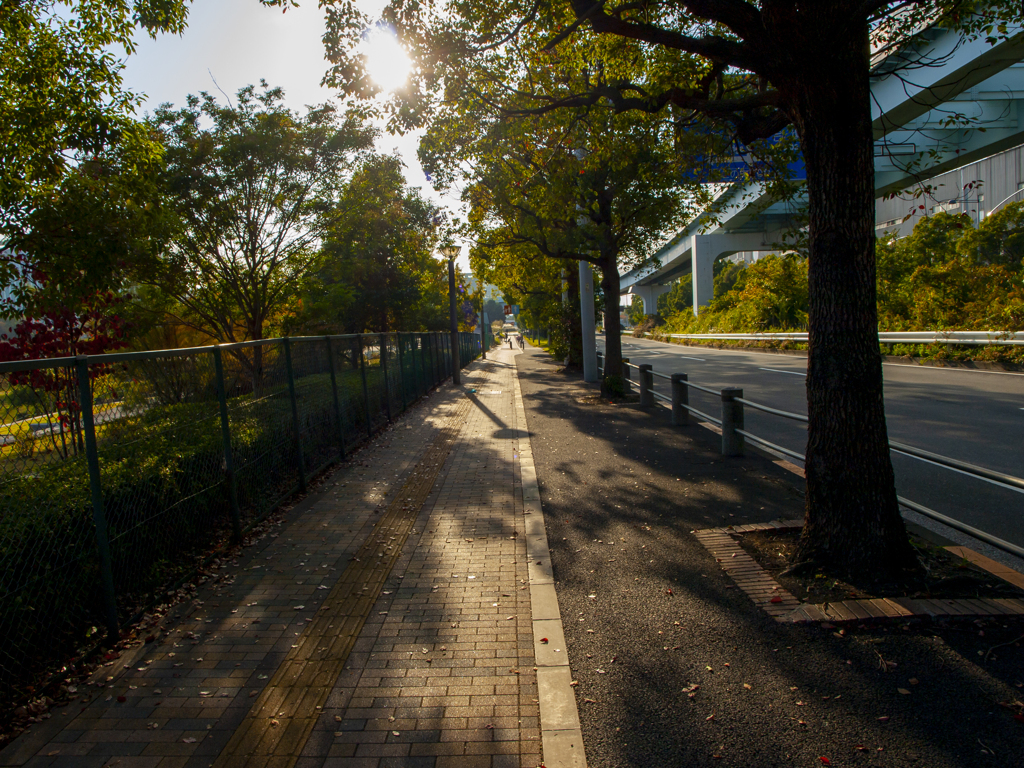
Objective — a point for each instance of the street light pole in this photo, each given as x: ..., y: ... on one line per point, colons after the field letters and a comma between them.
x: 451, y: 251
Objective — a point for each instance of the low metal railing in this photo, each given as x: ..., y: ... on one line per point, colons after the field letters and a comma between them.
x: 735, y: 435
x: 970, y: 338
x: 119, y: 472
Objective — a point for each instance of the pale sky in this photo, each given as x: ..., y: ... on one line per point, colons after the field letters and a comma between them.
x: 237, y: 42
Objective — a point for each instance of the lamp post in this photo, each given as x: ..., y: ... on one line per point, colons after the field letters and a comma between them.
x: 451, y: 252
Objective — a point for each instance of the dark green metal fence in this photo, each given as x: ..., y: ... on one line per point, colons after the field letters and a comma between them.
x: 119, y: 472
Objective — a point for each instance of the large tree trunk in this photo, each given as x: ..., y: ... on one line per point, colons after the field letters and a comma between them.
x: 852, y: 523
x: 611, y: 381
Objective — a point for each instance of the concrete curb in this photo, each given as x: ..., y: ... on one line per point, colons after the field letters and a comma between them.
x: 561, y: 736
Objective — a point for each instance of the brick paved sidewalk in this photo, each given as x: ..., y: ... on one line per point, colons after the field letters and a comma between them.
x: 386, y: 622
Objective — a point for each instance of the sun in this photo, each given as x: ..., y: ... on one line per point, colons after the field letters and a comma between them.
x: 387, y: 63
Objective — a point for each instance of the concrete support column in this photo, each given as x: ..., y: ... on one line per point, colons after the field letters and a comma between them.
x: 649, y: 295
x: 703, y: 254
x: 587, y: 322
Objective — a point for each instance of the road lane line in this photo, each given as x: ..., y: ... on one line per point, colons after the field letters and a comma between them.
x: 776, y: 370
x: 945, y: 368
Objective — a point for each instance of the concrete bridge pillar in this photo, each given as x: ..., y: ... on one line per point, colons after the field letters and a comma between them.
x: 649, y: 294
x: 705, y: 250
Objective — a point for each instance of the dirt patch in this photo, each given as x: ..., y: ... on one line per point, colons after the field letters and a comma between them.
x: 945, y: 575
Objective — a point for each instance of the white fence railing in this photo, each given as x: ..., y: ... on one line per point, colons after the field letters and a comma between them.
x: 977, y: 338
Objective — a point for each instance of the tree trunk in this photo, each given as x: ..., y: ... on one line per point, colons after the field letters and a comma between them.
x: 852, y: 524
x: 611, y: 381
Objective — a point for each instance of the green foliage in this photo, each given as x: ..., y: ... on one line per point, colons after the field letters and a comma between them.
x: 947, y: 275
x: 254, y: 185
x: 678, y: 299
x: 636, y: 311
x: 768, y: 295
x: 376, y: 271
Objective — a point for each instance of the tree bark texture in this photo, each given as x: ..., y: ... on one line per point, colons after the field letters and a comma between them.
x: 852, y: 521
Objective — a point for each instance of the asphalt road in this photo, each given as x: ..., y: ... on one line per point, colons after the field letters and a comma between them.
x: 675, y: 667
x: 973, y: 416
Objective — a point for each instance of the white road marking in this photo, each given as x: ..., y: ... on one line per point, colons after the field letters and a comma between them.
x: 944, y: 368
x: 776, y: 370
x: 685, y: 357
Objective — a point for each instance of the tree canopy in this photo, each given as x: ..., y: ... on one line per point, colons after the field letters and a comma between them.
x: 253, y: 185
x: 376, y: 270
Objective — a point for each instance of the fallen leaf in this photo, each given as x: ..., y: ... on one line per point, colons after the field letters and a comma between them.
x: 825, y: 760
x: 189, y: 740
x: 122, y: 699
x: 544, y: 640
x: 775, y: 599
x: 913, y: 681
x: 904, y: 691
x: 747, y: 686
x: 883, y: 719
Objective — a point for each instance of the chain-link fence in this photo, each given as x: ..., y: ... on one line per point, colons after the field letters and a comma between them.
x: 120, y: 472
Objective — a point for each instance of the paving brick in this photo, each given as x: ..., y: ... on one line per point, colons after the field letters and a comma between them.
x: 426, y: 642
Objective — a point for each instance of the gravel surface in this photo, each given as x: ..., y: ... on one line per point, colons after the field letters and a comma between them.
x: 648, y: 615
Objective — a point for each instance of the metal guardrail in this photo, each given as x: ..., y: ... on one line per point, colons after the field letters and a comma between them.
x: 734, y: 437
x: 973, y: 338
x: 119, y: 472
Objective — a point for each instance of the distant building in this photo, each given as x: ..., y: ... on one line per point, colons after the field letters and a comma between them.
x: 491, y: 292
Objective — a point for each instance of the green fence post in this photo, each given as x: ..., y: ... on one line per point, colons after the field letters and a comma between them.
x: 366, y: 391
x: 334, y: 394
x: 225, y: 433
x: 401, y: 370
x: 431, y: 366
x: 295, y: 414
x: 99, y: 515
x: 414, y: 365
x: 384, y: 373
x: 435, y: 347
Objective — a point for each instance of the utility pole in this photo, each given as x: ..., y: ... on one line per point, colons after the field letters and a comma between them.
x: 587, y: 322
x: 451, y: 252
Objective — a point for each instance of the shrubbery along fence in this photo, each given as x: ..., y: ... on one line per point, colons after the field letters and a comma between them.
x: 118, y: 470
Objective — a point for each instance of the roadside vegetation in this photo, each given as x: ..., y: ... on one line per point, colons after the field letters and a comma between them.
x: 948, y: 275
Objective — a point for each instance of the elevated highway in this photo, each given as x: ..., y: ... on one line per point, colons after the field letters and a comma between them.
x: 936, y: 106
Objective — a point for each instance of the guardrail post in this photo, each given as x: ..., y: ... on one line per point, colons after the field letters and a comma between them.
x: 732, y: 419
x: 295, y: 414
x: 334, y: 395
x: 99, y: 515
x: 401, y: 370
x: 384, y: 373
x: 626, y: 381
x: 600, y: 363
x: 225, y: 433
x: 680, y: 399
x: 646, y: 386
x: 366, y: 391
